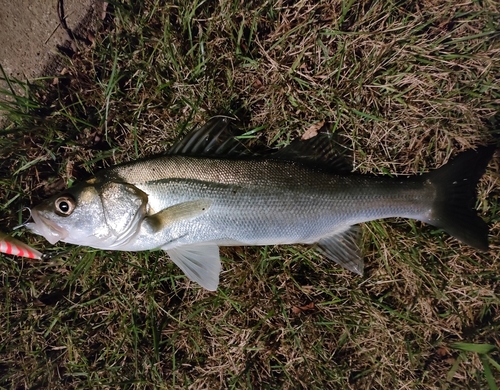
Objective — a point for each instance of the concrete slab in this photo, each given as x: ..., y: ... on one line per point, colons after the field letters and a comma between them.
x: 30, y: 32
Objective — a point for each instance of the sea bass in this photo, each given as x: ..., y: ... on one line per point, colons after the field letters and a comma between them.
x: 205, y: 193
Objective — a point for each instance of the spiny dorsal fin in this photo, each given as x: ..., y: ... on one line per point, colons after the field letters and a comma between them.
x: 214, y: 138
x: 320, y: 151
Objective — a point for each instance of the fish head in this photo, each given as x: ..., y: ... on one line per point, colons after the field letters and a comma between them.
x: 94, y: 214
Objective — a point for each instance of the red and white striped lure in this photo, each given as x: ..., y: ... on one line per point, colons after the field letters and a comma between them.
x: 11, y: 246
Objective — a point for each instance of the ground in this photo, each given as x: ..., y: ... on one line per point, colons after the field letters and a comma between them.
x: 404, y: 85
x: 31, y: 32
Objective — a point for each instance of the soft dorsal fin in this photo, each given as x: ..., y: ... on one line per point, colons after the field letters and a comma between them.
x: 320, y: 151
x: 214, y: 138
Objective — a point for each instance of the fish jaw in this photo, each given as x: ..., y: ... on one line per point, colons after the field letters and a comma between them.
x: 42, y: 226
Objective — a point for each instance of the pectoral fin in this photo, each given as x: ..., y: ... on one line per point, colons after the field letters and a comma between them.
x: 200, y: 263
x: 178, y: 212
x: 343, y: 249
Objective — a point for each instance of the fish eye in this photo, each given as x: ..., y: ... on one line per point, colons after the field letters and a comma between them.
x: 64, y: 205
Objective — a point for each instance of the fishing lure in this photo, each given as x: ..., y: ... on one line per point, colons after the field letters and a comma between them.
x: 12, y: 246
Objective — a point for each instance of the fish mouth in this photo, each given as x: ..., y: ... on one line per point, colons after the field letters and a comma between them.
x: 46, y: 228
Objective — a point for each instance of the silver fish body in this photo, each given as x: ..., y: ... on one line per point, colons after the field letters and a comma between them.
x: 190, y: 205
x: 264, y: 201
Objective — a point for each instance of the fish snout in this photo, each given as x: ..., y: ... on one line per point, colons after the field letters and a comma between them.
x: 47, y: 228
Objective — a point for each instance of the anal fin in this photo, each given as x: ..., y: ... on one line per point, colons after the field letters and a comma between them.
x: 199, y: 262
x: 343, y: 249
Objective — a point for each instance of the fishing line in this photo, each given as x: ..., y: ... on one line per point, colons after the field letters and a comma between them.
x: 23, y: 224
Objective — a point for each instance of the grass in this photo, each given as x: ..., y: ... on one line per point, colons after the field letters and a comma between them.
x: 404, y: 84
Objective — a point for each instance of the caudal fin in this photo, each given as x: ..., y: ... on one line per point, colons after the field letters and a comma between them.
x: 453, y: 209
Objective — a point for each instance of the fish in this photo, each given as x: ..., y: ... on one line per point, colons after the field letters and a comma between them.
x: 12, y: 246
x: 209, y: 191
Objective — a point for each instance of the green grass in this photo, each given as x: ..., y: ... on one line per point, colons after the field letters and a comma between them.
x: 404, y: 84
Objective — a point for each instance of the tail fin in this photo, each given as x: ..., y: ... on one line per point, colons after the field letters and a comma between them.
x: 453, y: 209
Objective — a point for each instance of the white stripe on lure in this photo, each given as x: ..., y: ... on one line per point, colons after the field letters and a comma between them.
x: 12, y: 246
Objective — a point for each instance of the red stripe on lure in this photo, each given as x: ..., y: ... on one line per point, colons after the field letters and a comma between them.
x: 11, y: 246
